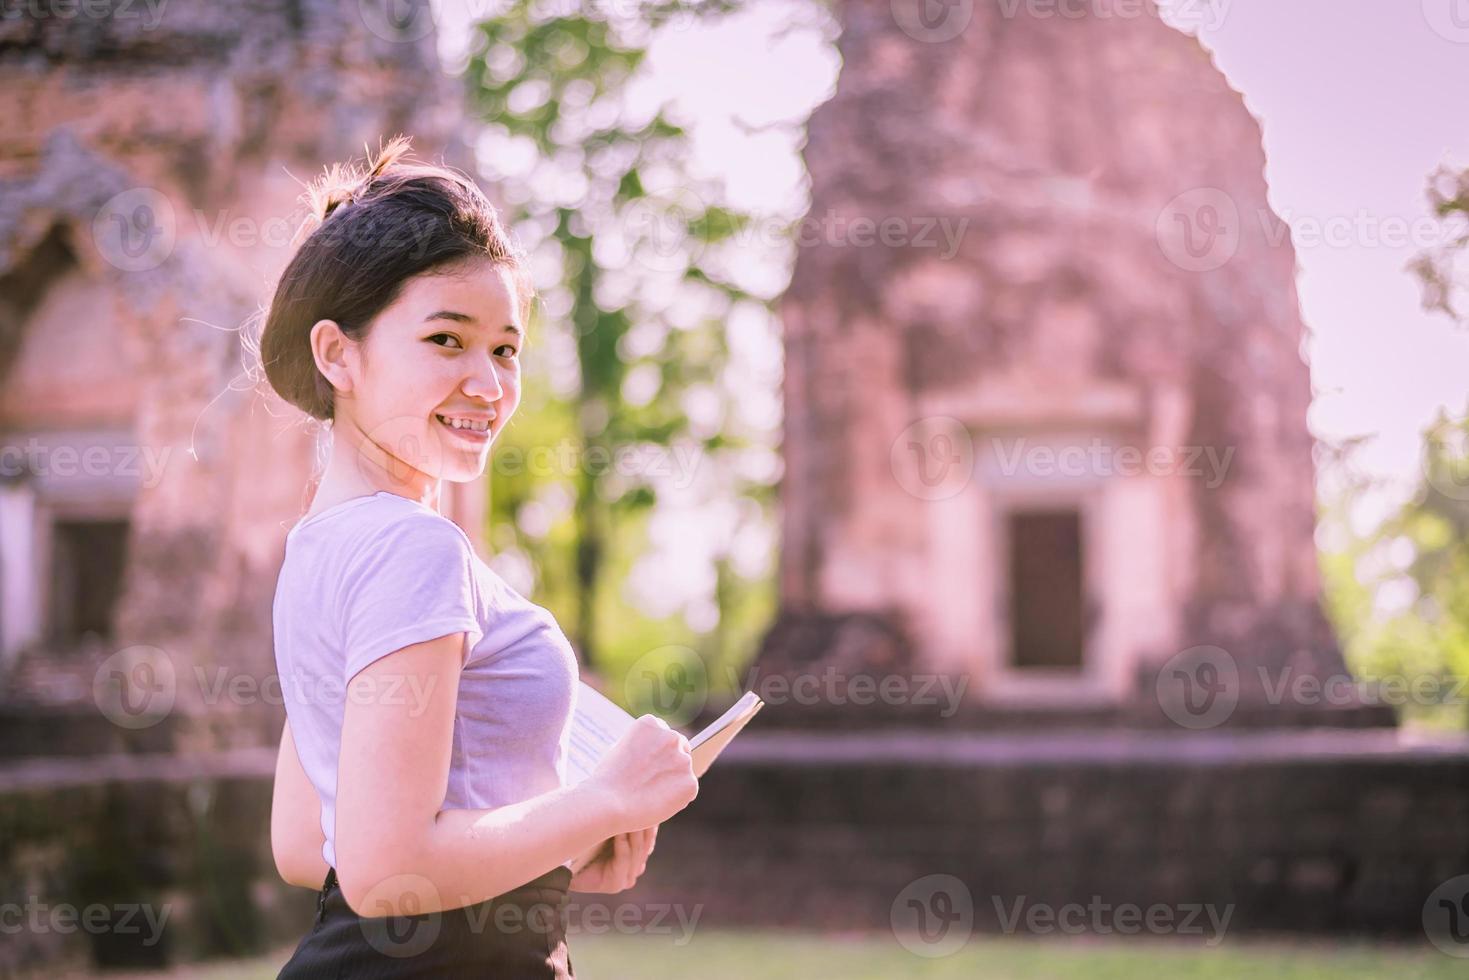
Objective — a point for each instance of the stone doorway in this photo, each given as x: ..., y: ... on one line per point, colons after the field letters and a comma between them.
x: 1046, y: 589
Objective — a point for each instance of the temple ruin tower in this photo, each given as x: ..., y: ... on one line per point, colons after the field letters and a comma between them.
x: 151, y: 168
x: 1045, y: 409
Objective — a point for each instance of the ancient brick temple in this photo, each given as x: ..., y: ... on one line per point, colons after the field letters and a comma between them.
x: 1046, y: 423
x: 147, y: 486
x: 149, y: 177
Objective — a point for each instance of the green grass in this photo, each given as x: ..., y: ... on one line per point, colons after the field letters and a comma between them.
x: 717, y: 955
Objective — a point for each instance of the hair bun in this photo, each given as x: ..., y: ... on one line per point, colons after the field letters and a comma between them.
x: 341, y: 184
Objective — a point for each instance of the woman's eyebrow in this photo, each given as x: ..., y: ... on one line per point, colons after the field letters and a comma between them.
x: 464, y: 318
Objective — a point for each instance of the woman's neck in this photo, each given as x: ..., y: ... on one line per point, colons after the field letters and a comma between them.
x: 359, y: 467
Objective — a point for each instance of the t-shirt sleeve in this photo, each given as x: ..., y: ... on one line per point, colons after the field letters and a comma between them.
x: 413, y: 581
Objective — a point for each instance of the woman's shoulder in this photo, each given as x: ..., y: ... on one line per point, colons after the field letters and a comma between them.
x: 389, y: 519
x: 366, y: 527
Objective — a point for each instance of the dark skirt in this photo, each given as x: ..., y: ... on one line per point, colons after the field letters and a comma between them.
x: 520, y: 935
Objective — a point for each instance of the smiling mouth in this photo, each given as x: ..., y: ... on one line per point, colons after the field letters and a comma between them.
x: 465, y: 429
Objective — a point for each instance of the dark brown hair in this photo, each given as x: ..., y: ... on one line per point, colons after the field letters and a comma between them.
x: 367, y: 233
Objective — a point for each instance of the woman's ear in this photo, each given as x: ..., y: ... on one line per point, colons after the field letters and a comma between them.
x: 334, y: 355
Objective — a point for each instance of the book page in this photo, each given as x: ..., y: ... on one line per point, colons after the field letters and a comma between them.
x: 596, y: 725
x: 707, y: 745
x: 598, y: 722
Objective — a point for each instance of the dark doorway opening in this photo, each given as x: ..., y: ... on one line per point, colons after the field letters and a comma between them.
x: 1046, y: 588
x: 87, y: 562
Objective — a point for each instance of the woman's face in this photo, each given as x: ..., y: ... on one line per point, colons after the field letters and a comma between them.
x: 438, y: 376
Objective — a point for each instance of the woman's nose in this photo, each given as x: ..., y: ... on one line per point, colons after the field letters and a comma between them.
x: 485, y: 383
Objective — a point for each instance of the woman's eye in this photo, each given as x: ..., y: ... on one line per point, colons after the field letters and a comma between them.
x: 435, y: 338
x: 506, y: 347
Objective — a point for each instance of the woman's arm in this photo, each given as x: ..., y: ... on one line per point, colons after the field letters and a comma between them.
x: 295, y: 820
x: 397, y: 851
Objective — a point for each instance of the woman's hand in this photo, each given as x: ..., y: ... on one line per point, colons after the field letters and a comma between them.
x: 616, y: 869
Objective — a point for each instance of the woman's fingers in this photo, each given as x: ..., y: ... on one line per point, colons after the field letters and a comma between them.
x: 645, y: 847
x: 623, y: 860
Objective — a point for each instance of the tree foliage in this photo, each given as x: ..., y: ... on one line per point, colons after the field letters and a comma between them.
x: 637, y: 295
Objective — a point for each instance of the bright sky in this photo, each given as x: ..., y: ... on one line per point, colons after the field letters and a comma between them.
x: 1358, y: 103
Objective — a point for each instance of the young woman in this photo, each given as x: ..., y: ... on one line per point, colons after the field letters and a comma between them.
x: 420, y: 777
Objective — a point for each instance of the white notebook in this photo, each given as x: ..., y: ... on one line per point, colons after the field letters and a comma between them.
x: 598, y: 723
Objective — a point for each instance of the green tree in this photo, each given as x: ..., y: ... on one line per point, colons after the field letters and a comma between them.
x: 632, y: 263
x: 1398, y: 594
x: 1440, y: 268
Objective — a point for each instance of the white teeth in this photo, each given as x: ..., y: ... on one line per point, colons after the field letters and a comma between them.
x: 464, y: 423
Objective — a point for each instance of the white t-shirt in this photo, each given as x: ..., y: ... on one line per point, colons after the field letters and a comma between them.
x: 374, y: 574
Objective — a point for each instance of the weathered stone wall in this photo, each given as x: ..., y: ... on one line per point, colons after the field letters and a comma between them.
x: 1112, y: 268
x: 167, y: 862
x: 1302, y: 832
x: 151, y: 171
x: 1294, y: 832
